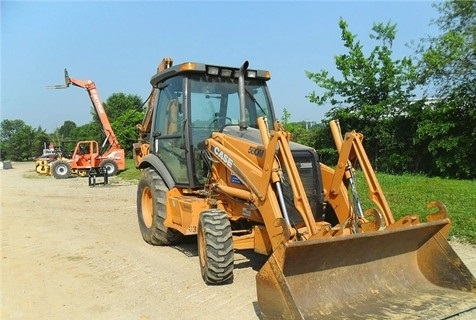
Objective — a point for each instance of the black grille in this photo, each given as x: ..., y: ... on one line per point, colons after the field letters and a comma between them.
x: 307, y: 165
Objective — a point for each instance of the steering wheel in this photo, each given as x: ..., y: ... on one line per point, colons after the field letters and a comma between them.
x: 211, y: 125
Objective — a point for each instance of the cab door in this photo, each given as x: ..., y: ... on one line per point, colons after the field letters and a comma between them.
x: 167, y: 136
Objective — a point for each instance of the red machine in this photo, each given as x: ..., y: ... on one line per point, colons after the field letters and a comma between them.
x: 88, y: 155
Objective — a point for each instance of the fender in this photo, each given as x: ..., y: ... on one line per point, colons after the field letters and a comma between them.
x: 152, y: 160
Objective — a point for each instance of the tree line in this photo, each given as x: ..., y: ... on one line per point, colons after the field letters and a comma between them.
x: 432, y: 133
x: 21, y: 142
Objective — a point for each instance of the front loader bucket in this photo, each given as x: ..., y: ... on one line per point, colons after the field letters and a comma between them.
x: 402, y: 273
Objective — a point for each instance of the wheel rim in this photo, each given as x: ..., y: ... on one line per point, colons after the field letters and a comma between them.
x: 61, y: 169
x: 109, y: 168
x: 82, y: 173
x: 147, y: 207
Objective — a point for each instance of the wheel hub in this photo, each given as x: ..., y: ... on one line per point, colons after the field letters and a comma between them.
x: 147, y: 207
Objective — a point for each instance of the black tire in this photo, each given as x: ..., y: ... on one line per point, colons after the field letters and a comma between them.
x: 215, y: 247
x: 60, y: 169
x: 151, y: 210
x: 110, y: 166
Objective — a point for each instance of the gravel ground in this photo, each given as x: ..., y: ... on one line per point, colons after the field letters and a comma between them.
x: 70, y: 251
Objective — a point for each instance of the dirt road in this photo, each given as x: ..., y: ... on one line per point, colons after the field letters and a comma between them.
x: 69, y: 251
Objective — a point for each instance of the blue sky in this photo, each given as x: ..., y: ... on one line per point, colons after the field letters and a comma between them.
x: 119, y: 44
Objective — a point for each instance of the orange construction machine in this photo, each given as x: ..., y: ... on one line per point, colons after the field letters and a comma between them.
x: 215, y: 163
x: 89, y: 155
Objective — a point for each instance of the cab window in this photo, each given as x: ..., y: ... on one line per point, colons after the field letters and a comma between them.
x: 168, y: 134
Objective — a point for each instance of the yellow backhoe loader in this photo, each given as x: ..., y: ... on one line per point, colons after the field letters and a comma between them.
x: 215, y: 163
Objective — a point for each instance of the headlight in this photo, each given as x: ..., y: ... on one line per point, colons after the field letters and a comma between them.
x: 213, y: 70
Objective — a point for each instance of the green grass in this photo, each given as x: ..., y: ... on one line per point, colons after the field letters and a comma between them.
x: 130, y: 173
x: 409, y: 194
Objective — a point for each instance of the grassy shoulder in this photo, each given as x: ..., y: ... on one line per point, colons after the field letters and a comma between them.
x: 130, y: 173
x: 409, y: 194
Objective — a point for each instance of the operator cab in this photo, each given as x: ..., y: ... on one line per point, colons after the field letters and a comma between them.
x: 195, y: 100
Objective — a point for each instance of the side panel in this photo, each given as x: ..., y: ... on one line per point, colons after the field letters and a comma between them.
x: 183, y: 211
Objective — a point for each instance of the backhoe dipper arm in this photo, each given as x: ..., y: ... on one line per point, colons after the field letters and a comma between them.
x: 144, y: 128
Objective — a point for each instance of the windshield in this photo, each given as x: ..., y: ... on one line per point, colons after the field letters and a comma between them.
x: 214, y: 102
x: 189, y: 108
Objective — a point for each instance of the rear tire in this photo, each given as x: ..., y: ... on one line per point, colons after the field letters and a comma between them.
x: 215, y: 247
x: 110, y: 166
x: 151, y: 210
x: 60, y: 169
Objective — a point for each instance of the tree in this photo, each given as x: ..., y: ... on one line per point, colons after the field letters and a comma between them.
x: 448, y: 68
x: 8, y: 130
x: 286, y: 116
x: 20, y: 142
x: 127, y: 134
x: 41, y: 139
x: 88, y: 131
x: 372, y: 94
x: 124, y: 112
x: 65, y: 130
x: 64, y: 133
x: 117, y: 104
x: 449, y: 60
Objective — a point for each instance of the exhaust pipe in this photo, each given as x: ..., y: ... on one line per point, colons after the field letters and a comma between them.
x: 242, y: 95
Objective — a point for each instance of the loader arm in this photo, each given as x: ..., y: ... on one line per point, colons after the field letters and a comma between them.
x: 259, y: 176
x: 405, y: 269
x: 350, y: 149
x: 284, y: 153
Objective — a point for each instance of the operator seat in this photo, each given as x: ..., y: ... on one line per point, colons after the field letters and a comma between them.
x: 171, y: 118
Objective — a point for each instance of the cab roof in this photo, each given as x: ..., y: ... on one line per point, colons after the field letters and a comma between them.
x: 213, y: 70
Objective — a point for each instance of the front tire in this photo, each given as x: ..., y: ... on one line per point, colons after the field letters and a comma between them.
x: 215, y: 247
x: 151, y: 210
x: 110, y: 166
x: 60, y: 169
